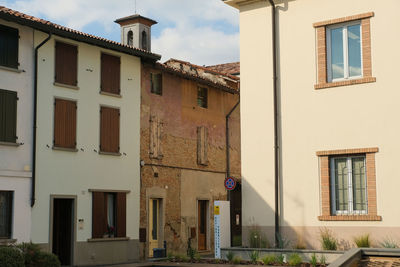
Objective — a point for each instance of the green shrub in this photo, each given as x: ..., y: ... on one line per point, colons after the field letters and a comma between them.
x: 389, y: 243
x: 280, y: 259
x: 230, y: 255
x: 182, y: 257
x: 362, y: 241
x: 254, y: 256
x: 328, y: 241
x: 269, y: 259
x: 192, y: 253
x: 11, y: 257
x: 322, y: 260
x: 257, y: 239
x: 33, y: 257
x: 295, y: 259
x: 237, y: 260
x: 170, y: 256
x: 45, y: 259
x: 314, y: 260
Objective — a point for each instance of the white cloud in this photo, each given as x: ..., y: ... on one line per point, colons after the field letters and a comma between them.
x: 190, y: 34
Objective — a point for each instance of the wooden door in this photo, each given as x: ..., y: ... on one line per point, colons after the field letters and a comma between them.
x: 153, y: 225
x: 202, y: 224
x: 63, y: 230
x: 236, y: 216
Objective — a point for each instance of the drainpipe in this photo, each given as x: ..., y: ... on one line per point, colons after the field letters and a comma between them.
x: 35, y: 84
x: 276, y: 134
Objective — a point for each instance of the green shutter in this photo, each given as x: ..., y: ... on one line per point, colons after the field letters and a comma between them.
x: 9, y: 38
x: 8, y: 116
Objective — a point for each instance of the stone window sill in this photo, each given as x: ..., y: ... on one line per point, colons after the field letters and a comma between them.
x: 108, y: 239
x: 109, y: 153
x: 11, y: 69
x: 6, y: 241
x: 345, y: 83
x: 65, y: 149
x: 9, y: 144
x: 66, y: 85
x: 110, y: 94
x: 350, y: 218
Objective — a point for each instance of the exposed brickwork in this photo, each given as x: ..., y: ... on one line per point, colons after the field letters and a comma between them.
x: 322, y: 78
x: 343, y: 19
x: 371, y: 185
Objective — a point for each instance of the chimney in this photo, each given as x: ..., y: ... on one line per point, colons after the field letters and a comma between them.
x: 136, y: 31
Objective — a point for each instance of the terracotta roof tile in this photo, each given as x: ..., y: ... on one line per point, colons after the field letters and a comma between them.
x: 228, y: 68
x: 47, y: 26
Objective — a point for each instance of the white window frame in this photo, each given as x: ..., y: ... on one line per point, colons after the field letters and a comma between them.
x: 350, y: 210
x: 345, y: 51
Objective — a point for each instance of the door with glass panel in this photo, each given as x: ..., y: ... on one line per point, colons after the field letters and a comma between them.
x: 154, y: 224
x: 349, y: 185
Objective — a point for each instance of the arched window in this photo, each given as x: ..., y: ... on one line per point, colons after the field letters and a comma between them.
x: 130, y: 38
x: 144, y: 40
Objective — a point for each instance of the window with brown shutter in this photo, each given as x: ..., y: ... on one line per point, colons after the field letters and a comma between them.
x: 109, y: 130
x: 66, y: 64
x: 156, y: 83
x: 8, y: 116
x: 202, y: 144
x: 9, y: 39
x: 108, y: 214
x: 155, y: 151
x: 110, y: 74
x: 64, y: 123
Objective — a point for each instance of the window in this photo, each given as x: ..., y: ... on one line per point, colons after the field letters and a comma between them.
x: 109, y: 130
x: 64, y: 123
x: 66, y: 64
x: 110, y: 74
x: 155, y: 151
x: 144, y: 40
x: 109, y: 214
x: 9, y: 47
x: 202, y: 97
x: 130, y: 38
x: 348, y: 185
x: 344, y: 51
x: 6, y: 211
x: 8, y: 116
x: 156, y: 83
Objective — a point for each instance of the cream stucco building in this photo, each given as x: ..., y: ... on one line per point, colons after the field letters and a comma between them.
x: 86, y: 186
x: 337, y: 130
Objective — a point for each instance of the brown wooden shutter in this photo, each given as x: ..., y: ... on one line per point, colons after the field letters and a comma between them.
x: 121, y: 214
x: 109, y: 130
x: 8, y: 116
x: 66, y: 64
x: 65, y: 123
x: 110, y: 74
x: 99, y: 213
x: 155, y: 137
x: 9, y: 39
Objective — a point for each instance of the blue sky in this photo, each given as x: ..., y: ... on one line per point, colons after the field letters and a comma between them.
x: 204, y: 32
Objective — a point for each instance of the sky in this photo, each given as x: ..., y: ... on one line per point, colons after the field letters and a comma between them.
x: 204, y: 32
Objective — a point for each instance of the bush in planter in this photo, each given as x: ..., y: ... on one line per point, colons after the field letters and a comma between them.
x: 34, y: 257
x: 314, y: 260
x: 45, y: 259
x: 295, y: 259
x: 237, y: 260
x: 269, y: 259
x: 11, y: 257
x: 254, y: 256
x: 362, y: 241
x: 328, y: 241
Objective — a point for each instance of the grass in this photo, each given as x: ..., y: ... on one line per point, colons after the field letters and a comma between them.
x: 389, y: 243
x: 269, y: 259
x: 280, y: 259
x: 295, y: 259
x: 282, y: 242
x: 230, y: 255
x: 237, y: 260
x: 363, y: 241
x: 322, y: 260
x: 328, y: 240
x: 254, y: 256
x: 314, y: 260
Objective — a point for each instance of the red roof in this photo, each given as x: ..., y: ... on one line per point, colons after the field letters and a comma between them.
x: 227, y: 68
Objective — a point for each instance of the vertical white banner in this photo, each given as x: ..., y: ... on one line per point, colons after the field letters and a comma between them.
x: 222, y: 227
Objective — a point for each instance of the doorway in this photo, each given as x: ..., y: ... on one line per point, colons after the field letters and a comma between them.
x: 202, y: 224
x: 154, y: 224
x: 236, y: 216
x: 63, y: 230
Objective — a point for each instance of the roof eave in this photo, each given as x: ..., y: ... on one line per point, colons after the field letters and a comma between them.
x: 81, y: 38
x: 237, y: 3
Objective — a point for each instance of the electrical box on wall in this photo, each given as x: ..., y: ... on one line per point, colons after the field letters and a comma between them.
x: 222, y: 226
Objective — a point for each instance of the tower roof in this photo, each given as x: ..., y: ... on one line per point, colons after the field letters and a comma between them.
x: 136, y: 18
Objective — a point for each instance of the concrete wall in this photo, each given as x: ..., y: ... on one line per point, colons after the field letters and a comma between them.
x: 356, y: 116
x: 181, y: 181
x: 74, y: 173
x: 16, y: 161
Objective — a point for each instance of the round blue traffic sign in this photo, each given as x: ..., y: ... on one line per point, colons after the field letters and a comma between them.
x: 230, y: 183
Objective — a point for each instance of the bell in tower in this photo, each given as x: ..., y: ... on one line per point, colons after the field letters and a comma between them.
x: 136, y: 31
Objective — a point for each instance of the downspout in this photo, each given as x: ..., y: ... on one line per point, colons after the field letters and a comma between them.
x: 276, y: 134
x: 35, y: 85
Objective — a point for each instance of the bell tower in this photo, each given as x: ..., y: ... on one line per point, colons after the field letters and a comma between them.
x: 136, y: 31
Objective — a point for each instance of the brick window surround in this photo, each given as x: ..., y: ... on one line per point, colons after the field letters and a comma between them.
x: 322, y: 78
x: 324, y: 158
